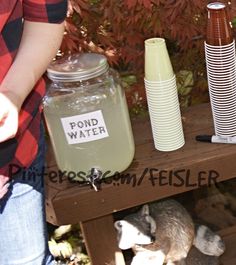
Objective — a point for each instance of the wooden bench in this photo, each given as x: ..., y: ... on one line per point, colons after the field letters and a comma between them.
x: 152, y: 177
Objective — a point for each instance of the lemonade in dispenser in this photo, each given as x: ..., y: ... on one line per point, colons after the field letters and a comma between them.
x: 87, y: 117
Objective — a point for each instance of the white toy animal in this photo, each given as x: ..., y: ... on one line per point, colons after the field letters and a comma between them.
x: 195, y: 257
x: 208, y: 242
x: 163, y: 232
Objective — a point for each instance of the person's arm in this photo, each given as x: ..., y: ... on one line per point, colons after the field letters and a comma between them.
x: 40, y: 43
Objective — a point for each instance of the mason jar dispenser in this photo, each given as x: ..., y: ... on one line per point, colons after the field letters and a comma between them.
x: 87, y: 117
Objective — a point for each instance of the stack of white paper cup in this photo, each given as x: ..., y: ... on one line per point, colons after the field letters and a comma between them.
x: 162, y: 97
x: 221, y: 73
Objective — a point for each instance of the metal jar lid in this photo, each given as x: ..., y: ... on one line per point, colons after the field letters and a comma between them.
x: 77, y: 67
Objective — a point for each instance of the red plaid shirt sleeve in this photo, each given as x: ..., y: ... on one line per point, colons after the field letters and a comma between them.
x: 22, y: 149
x: 52, y: 11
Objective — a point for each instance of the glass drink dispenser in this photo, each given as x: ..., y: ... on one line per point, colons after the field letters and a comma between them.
x: 87, y: 117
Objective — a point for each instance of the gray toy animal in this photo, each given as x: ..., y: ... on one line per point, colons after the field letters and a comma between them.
x: 163, y: 232
x: 195, y: 257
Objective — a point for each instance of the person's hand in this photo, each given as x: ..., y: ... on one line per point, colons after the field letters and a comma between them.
x: 3, y: 185
x: 9, y: 111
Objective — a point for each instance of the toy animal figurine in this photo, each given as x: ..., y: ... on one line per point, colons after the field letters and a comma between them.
x: 163, y: 232
x: 195, y: 257
x: 208, y: 242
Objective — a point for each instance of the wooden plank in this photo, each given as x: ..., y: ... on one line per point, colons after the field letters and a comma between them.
x: 101, y: 243
x: 87, y: 204
x: 192, y: 162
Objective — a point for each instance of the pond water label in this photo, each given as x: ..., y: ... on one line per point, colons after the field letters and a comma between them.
x: 84, y: 127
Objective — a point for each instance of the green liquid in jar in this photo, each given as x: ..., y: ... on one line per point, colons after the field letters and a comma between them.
x: 110, y: 154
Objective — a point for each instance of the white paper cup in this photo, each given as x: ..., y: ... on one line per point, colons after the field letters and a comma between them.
x: 167, y: 84
x: 225, y: 127
x: 165, y: 117
x: 220, y: 54
x: 227, y: 57
x: 221, y: 73
x: 171, y: 141
x: 220, y: 119
x: 227, y: 108
x: 224, y: 131
x: 220, y: 64
x: 218, y: 97
x: 218, y: 105
x: 221, y: 70
x: 225, y: 116
x: 225, y: 77
x: 170, y: 128
x: 221, y: 67
x: 167, y: 123
x: 224, y: 106
x: 156, y: 89
x: 167, y: 139
x: 168, y: 148
x: 219, y: 46
x: 162, y: 113
x: 168, y: 133
x: 219, y: 58
x: 167, y: 136
x: 166, y: 81
x: 224, y: 87
x: 229, y: 120
x: 222, y: 101
x: 217, y: 54
x: 220, y: 113
x: 222, y: 90
x: 165, y: 101
x: 158, y: 86
x: 161, y: 91
x: 162, y: 97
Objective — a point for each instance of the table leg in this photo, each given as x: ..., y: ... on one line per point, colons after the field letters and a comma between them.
x: 101, y: 242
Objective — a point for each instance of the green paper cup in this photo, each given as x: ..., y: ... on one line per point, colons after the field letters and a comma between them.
x: 157, y: 61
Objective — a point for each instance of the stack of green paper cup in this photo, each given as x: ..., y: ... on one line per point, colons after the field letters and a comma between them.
x: 162, y: 97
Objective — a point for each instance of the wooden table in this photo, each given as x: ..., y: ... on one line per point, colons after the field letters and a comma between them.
x: 151, y: 176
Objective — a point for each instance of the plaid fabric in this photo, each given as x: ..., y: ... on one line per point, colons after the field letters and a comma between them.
x: 22, y: 149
